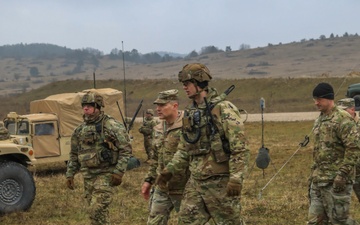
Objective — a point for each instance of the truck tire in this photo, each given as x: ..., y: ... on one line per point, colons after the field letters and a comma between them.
x: 357, y: 102
x: 17, y: 187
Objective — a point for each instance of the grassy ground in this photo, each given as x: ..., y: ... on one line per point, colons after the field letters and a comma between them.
x: 283, y: 200
x: 281, y: 94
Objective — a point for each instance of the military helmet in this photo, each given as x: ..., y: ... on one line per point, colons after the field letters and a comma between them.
x: 196, y: 71
x: 150, y: 111
x: 93, y: 98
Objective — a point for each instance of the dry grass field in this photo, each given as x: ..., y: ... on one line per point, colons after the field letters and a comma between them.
x: 281, y: 94
x: 283, y: 201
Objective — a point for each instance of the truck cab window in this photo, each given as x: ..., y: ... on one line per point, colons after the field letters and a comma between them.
x: 44, y: 129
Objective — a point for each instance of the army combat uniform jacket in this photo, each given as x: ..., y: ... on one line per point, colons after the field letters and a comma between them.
x: 208, y: 153
x: 101, y: 146
x: 147, y: 127
x: 165, y: 141
x: 336, y: 146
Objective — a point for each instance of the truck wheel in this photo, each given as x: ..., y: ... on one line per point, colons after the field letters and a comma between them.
x: 17, y: 187
x: 357, y: 102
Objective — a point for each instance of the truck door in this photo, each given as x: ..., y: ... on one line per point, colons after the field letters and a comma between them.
x: 46, y: 139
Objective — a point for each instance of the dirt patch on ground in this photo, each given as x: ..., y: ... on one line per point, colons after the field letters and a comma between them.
x: 293, y: 116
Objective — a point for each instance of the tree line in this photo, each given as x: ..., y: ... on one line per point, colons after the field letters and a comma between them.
x: 50, y: 51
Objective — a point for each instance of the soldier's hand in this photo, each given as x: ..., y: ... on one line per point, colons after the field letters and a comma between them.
x: 163, y: 178
x: 339, y: 184
x: 116, y: 179
x: 70, y: 183
x: 145, y: 190
x: 233, y: 188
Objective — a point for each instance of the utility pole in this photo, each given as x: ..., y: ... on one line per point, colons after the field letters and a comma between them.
x: 123, y: 56
x: 94, y: 79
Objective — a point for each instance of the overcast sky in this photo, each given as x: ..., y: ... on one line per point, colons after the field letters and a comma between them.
x: 179, y: 26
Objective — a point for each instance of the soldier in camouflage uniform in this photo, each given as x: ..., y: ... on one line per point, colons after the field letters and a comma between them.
x: 4, y: 133
x: 336, y: 147
x: 166, y: 137
x: 348, y: 104
x: 215, y: 150
x: 100, y: 150
x: 146, y: 129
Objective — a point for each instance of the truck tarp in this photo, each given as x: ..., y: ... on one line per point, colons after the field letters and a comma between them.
x: 67, y: 107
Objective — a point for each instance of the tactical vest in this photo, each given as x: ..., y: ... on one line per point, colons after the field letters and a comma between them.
x: 146, y: 128
x: 197, y: 133
x: 95, y: 151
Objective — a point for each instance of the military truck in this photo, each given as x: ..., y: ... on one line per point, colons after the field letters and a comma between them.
x: 17, y: 186
x: 353, y: 91
x: 51, y: 122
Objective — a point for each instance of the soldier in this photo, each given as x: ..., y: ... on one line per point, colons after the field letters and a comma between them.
x: 100, y: 150
x: 214, y: 147
x: 348, y: 104
x: 336, y: 145
x: 166, y: 137
x: 4, y: 133
x: 146, y: 129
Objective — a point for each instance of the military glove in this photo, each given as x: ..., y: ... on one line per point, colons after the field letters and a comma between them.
x: 339, y: 184
x: 233, y: 188
x: 116, y: 179
x: 70, y: 183
x: 163, y: 178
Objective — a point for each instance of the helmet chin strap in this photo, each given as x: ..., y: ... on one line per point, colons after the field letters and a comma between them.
x: 198, y: 92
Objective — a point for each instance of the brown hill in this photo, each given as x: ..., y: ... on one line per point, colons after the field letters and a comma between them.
x: 328, y: 57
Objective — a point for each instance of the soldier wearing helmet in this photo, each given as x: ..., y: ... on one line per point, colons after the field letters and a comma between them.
x: 146, y: 129
x: 217, y: 153
x: 100, y: 150
x: 197, y: 74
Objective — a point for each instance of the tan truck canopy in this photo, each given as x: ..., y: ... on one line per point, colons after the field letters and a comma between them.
x: 67, y: 107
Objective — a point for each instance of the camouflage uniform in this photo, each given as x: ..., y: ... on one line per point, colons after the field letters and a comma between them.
x: 336, y: 145
x: 211, y: 165
x: 165, y: 141
x: 356, y: 186
x: 345, y: 104
x: 146, y: 130
x: 100, y: 147
x: 4, y: 133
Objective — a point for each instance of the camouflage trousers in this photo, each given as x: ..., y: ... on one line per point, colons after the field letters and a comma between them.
x: 206, y: 199
x: 98, y: 194
x: 161, y: 204
x: 147, y: 146
x: 328, y: 207
x: 356, y: 186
